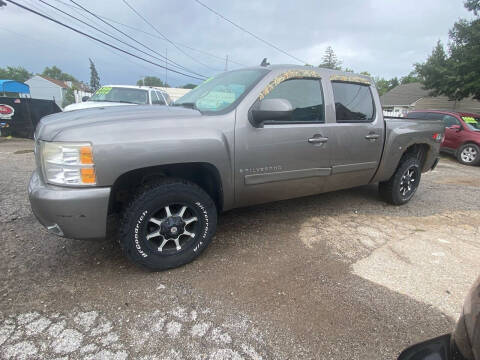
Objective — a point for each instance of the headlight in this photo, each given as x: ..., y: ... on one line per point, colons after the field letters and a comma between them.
x: 68, y: 163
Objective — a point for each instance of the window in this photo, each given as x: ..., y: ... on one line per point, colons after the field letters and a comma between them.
x: 417, y: 115
x: 222, y: 92
x: 157, y: 99
x: 353, y: 102
x: 167, y: 97
x: 118, y: 94
x: 450, y: 120
x: 472, y: 122
x: 305, y: 95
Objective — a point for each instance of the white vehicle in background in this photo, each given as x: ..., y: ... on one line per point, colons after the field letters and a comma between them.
x: 114, y: 95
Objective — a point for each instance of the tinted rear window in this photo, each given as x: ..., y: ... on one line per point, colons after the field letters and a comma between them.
x: 353, y: 102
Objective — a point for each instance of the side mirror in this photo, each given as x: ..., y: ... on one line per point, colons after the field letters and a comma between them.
x: 457, y: 128
x: 271, y: 109
x: 434, y: 349
x: 85, y: 98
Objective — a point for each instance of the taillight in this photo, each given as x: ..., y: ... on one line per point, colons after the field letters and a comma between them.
x: 437, y: 137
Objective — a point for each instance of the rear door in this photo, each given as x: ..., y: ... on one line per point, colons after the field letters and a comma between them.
x: 358, y: 133
x: 286, y: 159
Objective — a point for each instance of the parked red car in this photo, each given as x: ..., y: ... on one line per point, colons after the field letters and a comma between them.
x: 462, y: 133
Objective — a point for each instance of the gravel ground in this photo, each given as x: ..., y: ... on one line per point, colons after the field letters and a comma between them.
x: 334, y: 276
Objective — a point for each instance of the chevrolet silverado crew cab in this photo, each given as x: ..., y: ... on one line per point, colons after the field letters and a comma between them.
x: 243, y: 137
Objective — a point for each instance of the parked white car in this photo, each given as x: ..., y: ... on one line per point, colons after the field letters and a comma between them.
x: 114, y: 95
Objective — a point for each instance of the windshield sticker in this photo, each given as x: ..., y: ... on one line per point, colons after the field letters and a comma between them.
x: 291, y: 74
x: 350, y: 79
x: 104, y: 90
x: 216, y: 99
x: 469, y: 120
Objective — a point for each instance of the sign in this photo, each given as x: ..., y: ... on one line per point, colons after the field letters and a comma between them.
x: 6, y: 112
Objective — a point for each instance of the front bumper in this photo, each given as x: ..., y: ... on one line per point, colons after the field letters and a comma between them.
x: 77, y: 213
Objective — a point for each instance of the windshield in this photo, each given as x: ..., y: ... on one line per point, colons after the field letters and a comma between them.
x: 472, y: 122
x: 117, y: 94
x: 222, y: 91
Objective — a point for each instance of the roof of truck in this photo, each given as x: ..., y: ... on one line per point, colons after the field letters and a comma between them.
x: 134, y: 87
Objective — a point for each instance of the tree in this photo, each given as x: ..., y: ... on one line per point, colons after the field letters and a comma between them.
x: 383, y: 85
x: 94, y: 78
x: 330, y: 60
x: 436, y: 74
x: 151, y: 81
x: 15, y: 73
x: 455, y: 74
x: 473, y: 5
x: 69, y: 97
x: 57, y: 74
x: 410, y: 78
x: 189, y: 86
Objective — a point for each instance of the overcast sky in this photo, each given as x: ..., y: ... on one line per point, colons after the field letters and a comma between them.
x: 384, y: 37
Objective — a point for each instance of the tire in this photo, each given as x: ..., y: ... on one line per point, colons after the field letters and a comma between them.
x: 148, y: 232
x: 469, y: 154
x: 404, y: 182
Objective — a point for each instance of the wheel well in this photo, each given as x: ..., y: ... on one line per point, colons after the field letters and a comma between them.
x: 419, y: 151
x: 203, y: 174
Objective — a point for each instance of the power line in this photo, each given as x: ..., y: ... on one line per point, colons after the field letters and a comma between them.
x: 158, y: 32
x: 99, y: 40
x: 250, y: 33
x: 153, y: 35
x: 103, y: 32
x: 133, y: 39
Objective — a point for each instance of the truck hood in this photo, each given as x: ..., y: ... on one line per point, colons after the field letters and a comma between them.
x: 52, y: 125
x: 93, y: 104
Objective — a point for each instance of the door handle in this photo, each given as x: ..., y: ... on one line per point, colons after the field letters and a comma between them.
x: 372, y: 136
x: 318, y: 140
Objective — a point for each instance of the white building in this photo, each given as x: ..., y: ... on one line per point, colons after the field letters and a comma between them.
x: 43, y: 87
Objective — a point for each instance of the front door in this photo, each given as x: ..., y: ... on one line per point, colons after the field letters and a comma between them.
x: 291, y: 158
x: 452, y: 135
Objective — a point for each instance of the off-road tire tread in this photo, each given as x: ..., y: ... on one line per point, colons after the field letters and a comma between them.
x: 386, y: 188
x: 141, y: 194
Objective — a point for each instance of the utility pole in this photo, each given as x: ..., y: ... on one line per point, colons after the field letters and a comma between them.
x: 166, y: 67
x: 226, y: 63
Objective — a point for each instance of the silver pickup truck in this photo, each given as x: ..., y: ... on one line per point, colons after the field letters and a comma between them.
x: 243, y: 137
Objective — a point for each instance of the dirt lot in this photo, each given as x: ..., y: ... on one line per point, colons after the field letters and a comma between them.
x: 334, y: 276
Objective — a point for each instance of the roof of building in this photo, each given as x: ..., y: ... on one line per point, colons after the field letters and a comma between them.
x: 14, y: 87
x: 67, y: 84
x: 404, y: 94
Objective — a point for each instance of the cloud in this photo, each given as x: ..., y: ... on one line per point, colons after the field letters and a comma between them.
x: 379, y: 36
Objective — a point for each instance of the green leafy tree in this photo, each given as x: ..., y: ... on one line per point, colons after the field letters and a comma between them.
x: 189, y: 86
x: 151, y: 81
x: 410, y: 78
x: 455, y: 74
x: 55, y: 73
x: 384, y: 85
x: 330, y: 60
x: 94, y: 78
x: 15, y: 73
x: 473, y: 5
x: 69, y: 97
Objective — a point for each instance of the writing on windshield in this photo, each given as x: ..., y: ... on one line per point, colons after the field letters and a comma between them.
x: 122, y: 95
x: 222, y: 91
